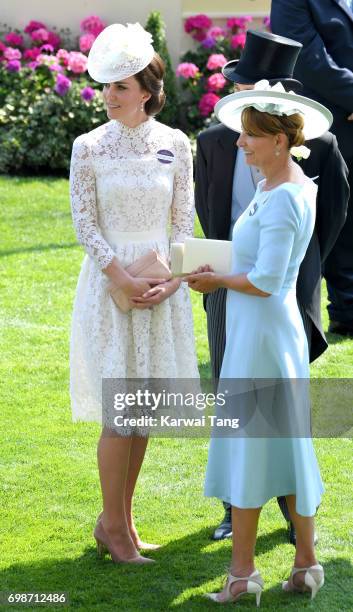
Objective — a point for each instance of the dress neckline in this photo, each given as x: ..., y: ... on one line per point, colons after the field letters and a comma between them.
x: 139, y: 130
x: 309, y: 181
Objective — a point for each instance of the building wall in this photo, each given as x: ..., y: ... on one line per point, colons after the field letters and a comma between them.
x: 226, y: 8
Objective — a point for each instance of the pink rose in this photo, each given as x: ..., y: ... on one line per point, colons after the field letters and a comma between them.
x: 216, y: 60
x: 86, y: 42
x: 207, y: 103
x: 41, y: 35
x: 14, y: 39
x: 238, y: 40
x: 216, y: 82
x: 92, y: 25
x: 63, y: 56
x: 77, y: 62
x: 33, y: 25
x: 187, y: 70
x: 12, y: 54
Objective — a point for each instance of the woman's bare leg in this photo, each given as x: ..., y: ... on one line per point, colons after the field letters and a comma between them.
x: 304, y: 526
x: 137, y: 453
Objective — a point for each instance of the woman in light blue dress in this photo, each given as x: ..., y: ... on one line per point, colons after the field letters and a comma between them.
x: 266, y: 340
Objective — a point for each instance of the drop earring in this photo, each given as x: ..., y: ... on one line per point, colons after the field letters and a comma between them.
x: 142, y: 107
x: 277, y: 152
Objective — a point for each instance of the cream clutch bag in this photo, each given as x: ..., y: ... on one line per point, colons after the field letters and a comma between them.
x: 150, y: 265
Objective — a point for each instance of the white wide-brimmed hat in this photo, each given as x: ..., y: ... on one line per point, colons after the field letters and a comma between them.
x: 276, y: 101
x: 119, y: 52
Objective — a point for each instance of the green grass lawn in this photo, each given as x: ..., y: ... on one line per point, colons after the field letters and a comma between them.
x: 49, y: 485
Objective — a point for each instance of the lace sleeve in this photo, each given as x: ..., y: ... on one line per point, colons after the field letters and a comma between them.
x: 83, y: 204
x: 183, y: 209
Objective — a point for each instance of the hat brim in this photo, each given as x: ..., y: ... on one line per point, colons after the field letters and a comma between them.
x: 230, y: 72
x: 317, y: 118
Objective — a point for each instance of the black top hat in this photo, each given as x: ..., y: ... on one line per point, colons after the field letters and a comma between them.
x: 265, y: 56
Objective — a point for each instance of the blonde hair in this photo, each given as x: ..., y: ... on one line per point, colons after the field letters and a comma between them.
x: 256, y: 123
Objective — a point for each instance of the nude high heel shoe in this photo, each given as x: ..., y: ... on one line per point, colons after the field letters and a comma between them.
x: 314, y: 579
x: 104, y: 545
x: 254, y: 586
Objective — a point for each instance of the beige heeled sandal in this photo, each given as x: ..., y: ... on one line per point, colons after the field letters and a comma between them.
x: 254, y: 586
x: 314, y: 579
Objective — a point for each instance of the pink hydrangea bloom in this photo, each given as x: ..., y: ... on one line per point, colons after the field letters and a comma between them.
x: 207, y: 103
x: 63, y: 56
x: 14, y: 39
x: 33, y: 65
x: 77, y: 62
x: 54, y: 39
x: 216, y: 60
x: 31, y: 54
x: 92, y: 25
x: 216, y: 32
x: 2, y: 47
x: 13, y: 65
x: 197, y: 22
x: 46, y: 49
x: 41, y: 35
x: 12, y: 54
x: 234, y: 23
x: 87, y: 93
x: 187, y: 70
x: 34, y: 25
x: 216, y: 82
x: 238, y: 40
x: 56, y: 68
x: 86, y: 42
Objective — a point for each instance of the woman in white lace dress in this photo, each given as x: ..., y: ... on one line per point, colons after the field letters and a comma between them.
x: 130, y: 179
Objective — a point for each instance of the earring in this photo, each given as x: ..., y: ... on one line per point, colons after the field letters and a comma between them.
x: 277, y: 152
x: 142, y: 107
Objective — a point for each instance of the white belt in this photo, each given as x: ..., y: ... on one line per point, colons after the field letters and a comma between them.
x: 146, y: 236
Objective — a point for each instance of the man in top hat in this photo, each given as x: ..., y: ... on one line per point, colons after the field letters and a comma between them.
x: 225, y: 186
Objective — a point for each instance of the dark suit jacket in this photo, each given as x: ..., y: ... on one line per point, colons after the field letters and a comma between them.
x: 215, y: 161
x: 325, y: 64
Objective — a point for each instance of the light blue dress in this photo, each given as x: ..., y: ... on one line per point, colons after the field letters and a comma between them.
x: 265, y: 338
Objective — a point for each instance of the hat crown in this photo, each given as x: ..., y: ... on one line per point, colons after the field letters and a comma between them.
x: 265, y: 56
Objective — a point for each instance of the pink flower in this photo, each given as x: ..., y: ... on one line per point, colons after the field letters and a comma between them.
x: 86, y: 42
x: 46, y: 49
x: 207, y: 103
x: 216, y: 82
x: 13, y: 65
x: 238, y: 40
x: 197, y: 22
x: 55, y: 68
x: 12, y: 54
x: 216, y: 32
x: 187, y: 70
x: 54, y: 39
x: 14, y: 39
x: 267, y: 22
x: 234, y: 23
x: 31, y: 54
x: 77, y: 62
x: 2, y: 47
x: 41, y: 35
x: 216, y: 60
x: 92, y: 25
x: 63, y: 56
x: 33, y: 65
x: 33, y: 25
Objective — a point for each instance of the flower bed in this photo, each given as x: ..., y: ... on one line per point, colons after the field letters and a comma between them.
x: 200, y: 73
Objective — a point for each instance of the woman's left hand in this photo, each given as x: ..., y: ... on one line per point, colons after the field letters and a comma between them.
x: 157, y: 294
x: 204, y: 280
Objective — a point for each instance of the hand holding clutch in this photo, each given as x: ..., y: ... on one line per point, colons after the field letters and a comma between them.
x: 151, y: 266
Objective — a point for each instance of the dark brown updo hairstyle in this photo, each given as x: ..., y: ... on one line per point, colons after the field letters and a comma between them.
x: 256, y: 123
x: 150, y: 79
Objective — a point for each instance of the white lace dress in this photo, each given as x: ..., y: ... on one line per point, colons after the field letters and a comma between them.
x: 128, y: 186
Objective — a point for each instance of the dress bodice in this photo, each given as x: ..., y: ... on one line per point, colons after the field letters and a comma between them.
x: 128, y: 180
x: 270, y: 238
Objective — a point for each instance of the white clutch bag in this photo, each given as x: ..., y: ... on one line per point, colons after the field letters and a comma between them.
x: 196, y: 252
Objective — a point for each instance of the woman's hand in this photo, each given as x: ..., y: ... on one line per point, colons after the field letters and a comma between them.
x: 204, y: 280
x: 157, y: 294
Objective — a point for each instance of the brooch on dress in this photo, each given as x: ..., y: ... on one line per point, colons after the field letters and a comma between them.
x: 164, y: 156
x: 253, y: 209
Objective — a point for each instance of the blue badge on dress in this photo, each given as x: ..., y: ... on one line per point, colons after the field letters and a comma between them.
x: 164, y: 156
x: 253, y: 209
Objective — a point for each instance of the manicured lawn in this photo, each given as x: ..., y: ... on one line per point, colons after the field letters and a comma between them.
x: 49, y: 484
